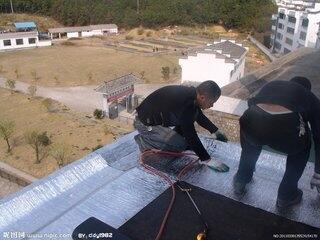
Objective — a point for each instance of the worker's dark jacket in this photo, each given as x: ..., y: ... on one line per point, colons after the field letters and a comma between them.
x: 176, y: 106
x: 298, y: 99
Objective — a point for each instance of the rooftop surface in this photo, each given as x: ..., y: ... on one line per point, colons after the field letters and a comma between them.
x: 302, y: 62
x: 109, y: 184
x: 225, y: 49
x: 9, y: 35
x: 24, y: 25
x: 112, y: 85
x: 228, y: 47
x: 82, y: 28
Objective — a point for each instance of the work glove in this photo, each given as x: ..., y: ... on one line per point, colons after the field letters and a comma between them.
x: 315, y: 181
x: 220, y: 136
x: 215, y: 165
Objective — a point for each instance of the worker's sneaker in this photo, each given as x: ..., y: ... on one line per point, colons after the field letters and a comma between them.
x: 287, y: 203
x: 239, y: 188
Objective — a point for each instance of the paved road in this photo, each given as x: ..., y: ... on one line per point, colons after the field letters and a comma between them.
x: 81, y: 98
x: 7, y: 187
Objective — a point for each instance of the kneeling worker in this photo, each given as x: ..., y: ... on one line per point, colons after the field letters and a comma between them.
x: 179, y: 107
x: 279, y: 117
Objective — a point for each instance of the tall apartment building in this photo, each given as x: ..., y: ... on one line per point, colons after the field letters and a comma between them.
x: 295, y: 25
x: 318, y: 40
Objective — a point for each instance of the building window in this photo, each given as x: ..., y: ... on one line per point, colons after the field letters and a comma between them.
x: 286, y: 50
x: 279, y: 36
x: 292, y: 19
x: 303, y: 35
x: 19, y: 41
x: 277, y: 45
x: 32, y: 40
x: 7, y: 43
x: 273, y: 22
x: 289, y: 41
x: 290, y: 30
x: 271, y: 42
x: 282, y: 16
x: 280, y: 25
x: 231, y: 73
x: 305, y: 22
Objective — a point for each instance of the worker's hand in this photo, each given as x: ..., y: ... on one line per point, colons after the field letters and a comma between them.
x: 315, y: 181
x: 216, y: 165
x: 220, y: 136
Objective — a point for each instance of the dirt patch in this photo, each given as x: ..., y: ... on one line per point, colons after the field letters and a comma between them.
x: 79, y: 132
x: 255, y: 58
x: 81, y: 65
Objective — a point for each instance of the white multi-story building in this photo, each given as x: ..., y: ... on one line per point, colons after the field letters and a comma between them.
x: 19, y: 40
x: 222, y: 62
x: 295, y: 25
x: 318, y: 39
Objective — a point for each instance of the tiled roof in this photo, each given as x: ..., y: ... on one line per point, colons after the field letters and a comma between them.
x: 225, y: 50
x: 228, y: 47
x: 109, y: 86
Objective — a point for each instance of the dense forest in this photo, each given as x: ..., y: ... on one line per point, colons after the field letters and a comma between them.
x: 241, y: 14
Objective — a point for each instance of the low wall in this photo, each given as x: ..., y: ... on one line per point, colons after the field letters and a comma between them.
x: 15, y: 175
x: 263, y: 48
x: 227, y: 123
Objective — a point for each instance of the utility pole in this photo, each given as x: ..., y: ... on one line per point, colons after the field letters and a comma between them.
x: 138, y: 6
x: 11, y: 6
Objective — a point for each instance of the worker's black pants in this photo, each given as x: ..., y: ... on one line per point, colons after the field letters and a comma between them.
x: 282, y: 132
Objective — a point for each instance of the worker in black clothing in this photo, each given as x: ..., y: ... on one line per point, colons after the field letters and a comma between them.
x: 179, y: 107
x: 279, y: 116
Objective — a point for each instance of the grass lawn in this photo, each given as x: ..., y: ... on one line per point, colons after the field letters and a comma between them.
x: 76, y: 65
x: 77, y: 131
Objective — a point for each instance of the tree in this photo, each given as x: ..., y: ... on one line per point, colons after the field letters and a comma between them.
x: 98, y: 114
x: 90, y: 77
x: 48, y: 104
x: 16, y: 71
x: 242, y: 14
x: 61, y: 152
x: 10, y: 83
x: 165, y: 73
x: 39, y: 142
x: 6, y: 131
x: 35, y: 76
x: 32, y: 90
x: 56, y: 80
x: 143, y: 76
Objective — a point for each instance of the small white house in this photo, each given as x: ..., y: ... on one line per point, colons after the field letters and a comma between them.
x: 119, y: 88
x: 19, y: 40
x: 222, y: 62
x: 83, y: 31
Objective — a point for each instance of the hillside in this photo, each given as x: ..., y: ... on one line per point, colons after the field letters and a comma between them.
x: 43, y: 22
x: 245, y: 15
x: 76, y: 131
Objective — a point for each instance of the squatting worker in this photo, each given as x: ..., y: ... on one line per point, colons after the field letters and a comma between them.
x: 279, y: 116
x: 179, y: 107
